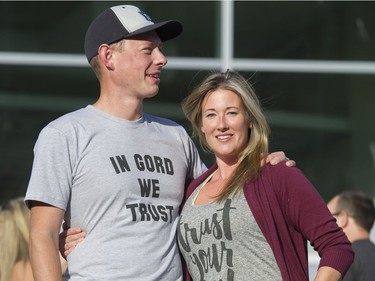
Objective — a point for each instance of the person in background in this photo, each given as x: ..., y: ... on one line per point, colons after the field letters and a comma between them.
x: 242, y: 220
x: 111, y: 169
x: 355, y: 214
x: 14, y: 242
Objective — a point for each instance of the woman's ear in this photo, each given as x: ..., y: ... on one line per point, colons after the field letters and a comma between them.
x: 250, y: 124
x: 202, y: 130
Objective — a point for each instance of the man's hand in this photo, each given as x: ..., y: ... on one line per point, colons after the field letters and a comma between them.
x: 68, y: 240
x: 279, y: 156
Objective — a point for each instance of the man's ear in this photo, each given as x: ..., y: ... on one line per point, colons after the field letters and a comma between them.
x: 105, y: 55
x: 344, y: 219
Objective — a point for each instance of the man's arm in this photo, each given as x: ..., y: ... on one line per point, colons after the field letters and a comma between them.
x: 45, y: 223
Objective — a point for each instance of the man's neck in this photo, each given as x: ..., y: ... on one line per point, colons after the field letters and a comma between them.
x: 357, y: 235
x: 125, y: 108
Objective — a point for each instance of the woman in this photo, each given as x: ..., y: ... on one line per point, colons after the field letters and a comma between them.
x: 243, y: 220
x: 14, y: 242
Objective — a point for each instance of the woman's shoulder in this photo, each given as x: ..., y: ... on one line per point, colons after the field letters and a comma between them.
x: 280, y: 169
x: 283, y: 176
x: 22, y: 271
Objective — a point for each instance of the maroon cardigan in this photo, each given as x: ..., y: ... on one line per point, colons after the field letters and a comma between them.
x: 290, y: 211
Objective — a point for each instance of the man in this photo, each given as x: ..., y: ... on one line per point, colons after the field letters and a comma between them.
x: 355, y: 214
x: 109, y: 168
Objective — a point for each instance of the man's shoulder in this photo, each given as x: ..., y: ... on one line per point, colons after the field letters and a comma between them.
x: 68, y: 124
x: 364, y: 246
x: 69, y: 116
x: 167, y: 126
x: 160, y: 120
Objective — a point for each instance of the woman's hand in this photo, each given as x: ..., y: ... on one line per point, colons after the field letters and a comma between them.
x: 68, y: 240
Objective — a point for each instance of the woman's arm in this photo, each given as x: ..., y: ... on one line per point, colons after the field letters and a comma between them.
x: 326, y: 273
x: 68, y: 240
x: 310, y: 216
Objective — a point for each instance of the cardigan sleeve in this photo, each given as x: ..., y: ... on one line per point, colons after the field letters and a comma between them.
x: 307, y: 213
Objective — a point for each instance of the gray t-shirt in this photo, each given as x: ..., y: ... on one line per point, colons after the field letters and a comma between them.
x: 122, y: 182
x: 224, y: 242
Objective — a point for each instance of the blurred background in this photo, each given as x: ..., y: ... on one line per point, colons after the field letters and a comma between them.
x: 312, y: 64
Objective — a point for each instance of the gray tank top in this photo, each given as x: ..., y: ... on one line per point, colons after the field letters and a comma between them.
x: 224, y: 242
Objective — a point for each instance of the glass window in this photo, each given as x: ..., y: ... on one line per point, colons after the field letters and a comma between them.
x: 321, y: 119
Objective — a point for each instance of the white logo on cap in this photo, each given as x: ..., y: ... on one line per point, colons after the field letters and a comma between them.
x: 144, y: 15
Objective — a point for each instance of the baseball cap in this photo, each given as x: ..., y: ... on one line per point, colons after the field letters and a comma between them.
x: 119, y: 22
